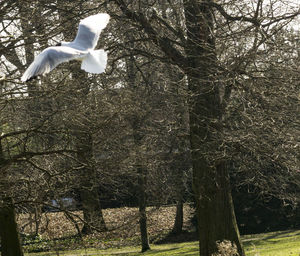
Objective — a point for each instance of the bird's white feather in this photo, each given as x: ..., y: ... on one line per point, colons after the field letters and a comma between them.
x: 81, y: 48
x: 50, y: 58
x: 95, y: 62
x: 89, y: 31
x: 97, y: 21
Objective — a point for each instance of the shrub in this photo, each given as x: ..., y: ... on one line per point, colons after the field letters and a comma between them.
x: 226, y: 248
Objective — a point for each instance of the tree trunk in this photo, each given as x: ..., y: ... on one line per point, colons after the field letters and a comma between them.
x: 216, y: 218
x: 142, y: 183
x: 37, y: 218
x: 178, y: 174
x: 92, y: 211
x: 10, y: 241
x: 142, y: 209
x: 89, y: 188
x: 136, y: 123
x: 178, y: 224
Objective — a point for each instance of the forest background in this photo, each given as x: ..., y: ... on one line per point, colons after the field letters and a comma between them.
x: 199, y: 103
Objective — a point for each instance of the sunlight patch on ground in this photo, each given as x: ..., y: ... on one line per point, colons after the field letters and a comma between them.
x: 283, y: 243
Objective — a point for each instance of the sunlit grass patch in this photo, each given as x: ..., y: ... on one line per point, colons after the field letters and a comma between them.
x: 178, y: 249
x: 284, y: 243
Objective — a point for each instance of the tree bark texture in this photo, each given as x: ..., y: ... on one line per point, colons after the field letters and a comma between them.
x: 141, y: 186
x: 10, y: 241
x: 136, y: 124
x: 9, y: 234
x: 216, y: 218
x: 210, y: 178
x: 178, y: 223
x: 92, y: 211
x: 142, y: 209
x: 89, y: 187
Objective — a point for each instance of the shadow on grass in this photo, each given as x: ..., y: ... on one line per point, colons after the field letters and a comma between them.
x: 191, y: 252
x: 150, y: 252
x: 272, y: 238
x: 272, y: 235
x: 184, y: 236
x: 161, y: 252
x: 282, y: 234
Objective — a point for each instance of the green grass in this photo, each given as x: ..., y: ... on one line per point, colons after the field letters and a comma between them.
x: 284, y: 243
x: 157, y: 250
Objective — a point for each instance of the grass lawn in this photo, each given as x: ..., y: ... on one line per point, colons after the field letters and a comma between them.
x: 283, y: 243
x: 157, y: 250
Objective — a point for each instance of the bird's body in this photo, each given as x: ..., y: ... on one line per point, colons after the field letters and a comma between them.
x: 82, y: 48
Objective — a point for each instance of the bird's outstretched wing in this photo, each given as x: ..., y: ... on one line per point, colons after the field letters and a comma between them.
x: 48, y: 59
x: 89, y: 31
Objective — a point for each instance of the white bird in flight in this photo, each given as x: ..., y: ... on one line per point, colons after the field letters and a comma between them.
x: 82, y: 48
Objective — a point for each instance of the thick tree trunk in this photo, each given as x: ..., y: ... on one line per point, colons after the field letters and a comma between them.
x: 9, y: 235
x: 216, y: 218
x: 92, y: 212
x: 10, y: 241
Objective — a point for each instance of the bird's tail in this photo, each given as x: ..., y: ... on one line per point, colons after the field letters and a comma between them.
x: 95, y: 62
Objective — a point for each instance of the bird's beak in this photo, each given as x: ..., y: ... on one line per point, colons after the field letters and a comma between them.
x: 59, y: 44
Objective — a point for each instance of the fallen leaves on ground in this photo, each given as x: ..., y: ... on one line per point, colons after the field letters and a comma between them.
x: 122, y: 224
